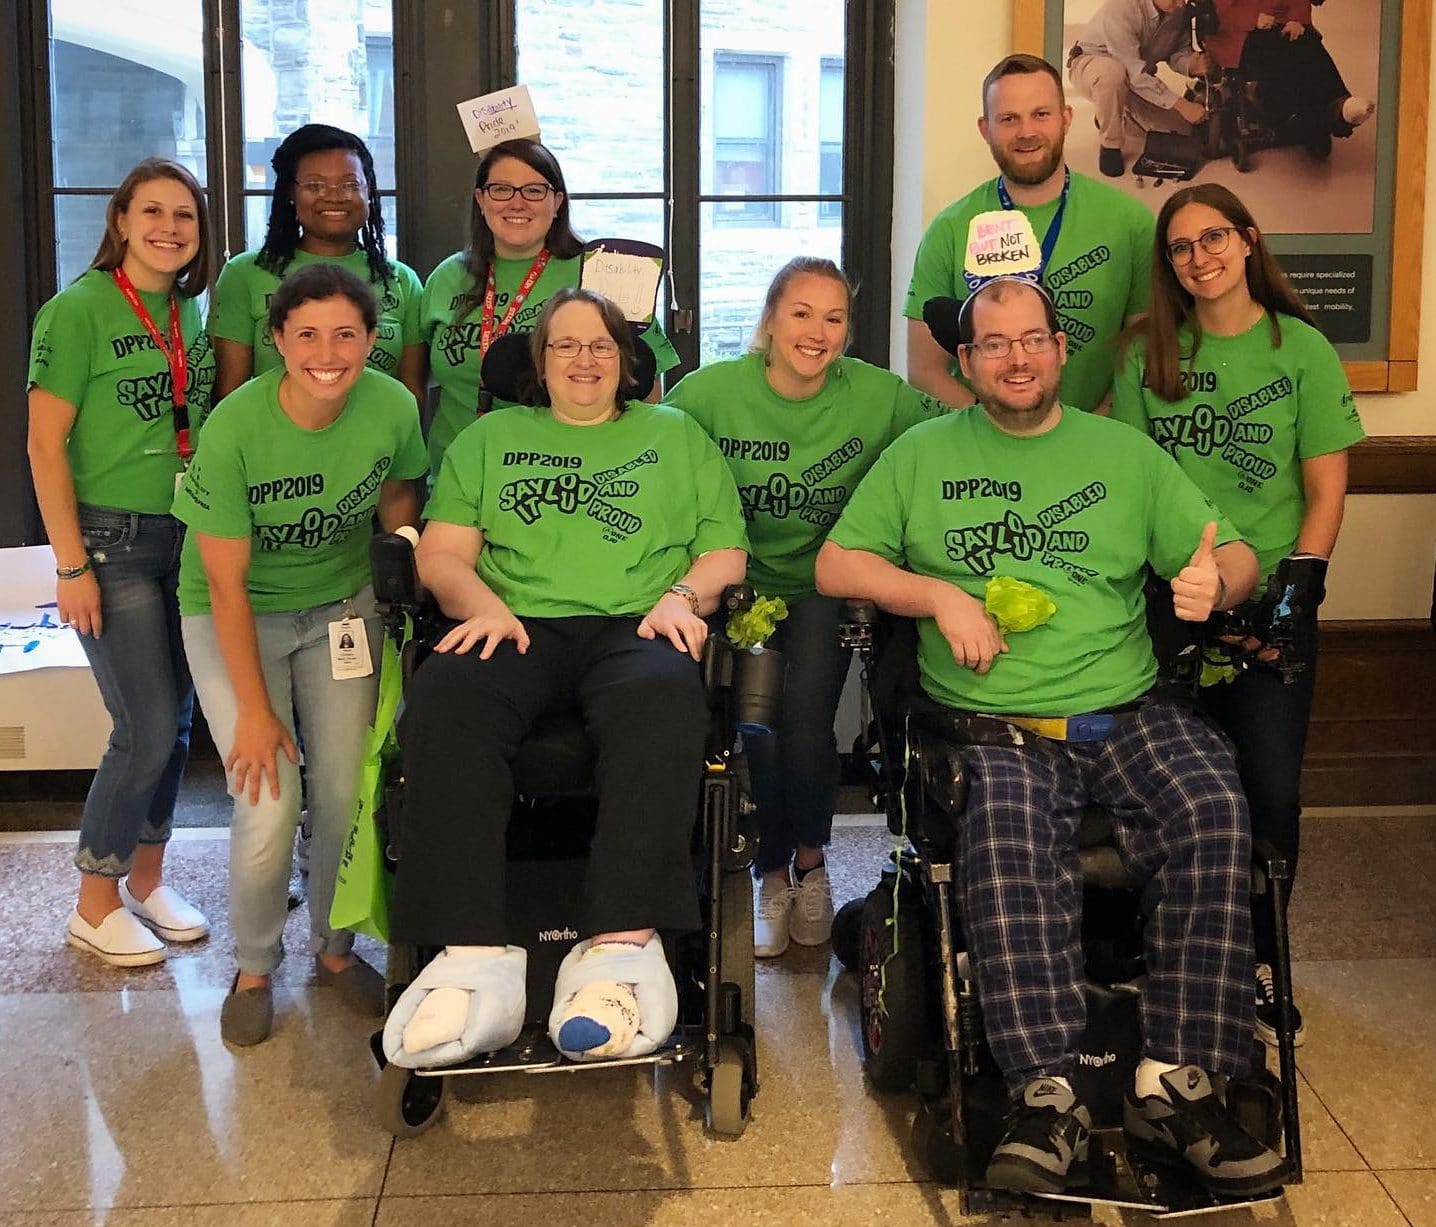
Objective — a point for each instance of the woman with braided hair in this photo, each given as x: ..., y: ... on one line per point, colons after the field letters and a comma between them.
x: 325, y: 207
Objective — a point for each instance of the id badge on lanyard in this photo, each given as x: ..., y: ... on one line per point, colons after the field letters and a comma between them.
x: 174, y: 354
x: 1054, y: 227
x: 487, y: 330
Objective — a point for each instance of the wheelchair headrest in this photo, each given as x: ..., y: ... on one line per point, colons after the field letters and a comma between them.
x: 508, y: 369
x: 950, y: 321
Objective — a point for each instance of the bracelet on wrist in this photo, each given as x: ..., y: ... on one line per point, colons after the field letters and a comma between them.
x: 687, y: 594
x: 72, y: 572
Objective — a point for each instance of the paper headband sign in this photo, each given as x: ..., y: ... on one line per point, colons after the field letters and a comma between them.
x: 1001, y: 243
x: 625, y: 271
x: 506, y: 115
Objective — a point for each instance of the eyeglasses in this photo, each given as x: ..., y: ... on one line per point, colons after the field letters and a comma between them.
x: 533, y: 192
x: 322, y: 187
x: 603, y: 348
x: 1213, y: 241
x: 1037, y: 341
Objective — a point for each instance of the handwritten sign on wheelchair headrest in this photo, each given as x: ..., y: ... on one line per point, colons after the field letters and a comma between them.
x: 505, y: 115
x: 1002, y: 243
x: 625, y: 271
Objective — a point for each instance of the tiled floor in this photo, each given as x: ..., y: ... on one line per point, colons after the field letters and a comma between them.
x: 120, y: 1105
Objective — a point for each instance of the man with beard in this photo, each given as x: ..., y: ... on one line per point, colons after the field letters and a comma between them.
x: 1096, y: 242
x: 1076, y: 506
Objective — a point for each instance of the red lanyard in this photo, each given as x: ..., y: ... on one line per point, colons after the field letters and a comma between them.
x: 173, y: 352
x: 487, y: 332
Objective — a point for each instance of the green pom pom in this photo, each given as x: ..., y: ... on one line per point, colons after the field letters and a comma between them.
x: 1213, y: 673
x: 1017, y: 606
x: 750, y: 627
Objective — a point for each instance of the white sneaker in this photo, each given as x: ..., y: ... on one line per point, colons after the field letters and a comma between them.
x: 770, y: 927
x: 812, y: 920
x: 1356, y: 111
x: 119, y: 939
x: 168, y: 913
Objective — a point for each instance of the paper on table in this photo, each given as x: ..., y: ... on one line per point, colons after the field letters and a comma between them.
x: 36, y: 639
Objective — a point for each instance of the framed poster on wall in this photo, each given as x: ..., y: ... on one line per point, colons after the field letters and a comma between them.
x: 1315, y: 116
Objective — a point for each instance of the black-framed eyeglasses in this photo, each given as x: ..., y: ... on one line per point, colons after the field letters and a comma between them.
x: 1213, y: 241
x: 1038, y: 341
x: 532, y: 192
x: 602, y: 349
x: 323, y: 187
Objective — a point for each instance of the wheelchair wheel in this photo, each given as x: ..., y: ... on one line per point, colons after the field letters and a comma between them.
x: 730, y: 1096
x: 893, y: 998
x: 407, y: 1103
x: 848, y: 934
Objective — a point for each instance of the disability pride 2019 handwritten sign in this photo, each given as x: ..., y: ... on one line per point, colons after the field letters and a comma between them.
x: 505, y: 115
x: 625, y: 271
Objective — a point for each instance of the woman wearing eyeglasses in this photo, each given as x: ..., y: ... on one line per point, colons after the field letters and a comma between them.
x: 325, y: 207
x: 1230, y: 375
x: 800, y: 423
x: 521, y: 249
x: 577, y: 542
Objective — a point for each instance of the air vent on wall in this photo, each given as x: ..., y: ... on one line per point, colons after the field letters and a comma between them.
x: 12, y: 741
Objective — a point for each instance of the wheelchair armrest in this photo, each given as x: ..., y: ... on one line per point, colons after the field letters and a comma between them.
x: 736, y: 598
x: 395, y: 575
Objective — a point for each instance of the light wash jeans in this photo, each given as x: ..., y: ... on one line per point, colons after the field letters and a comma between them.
x: 333, y: 717
x: 139, y: 665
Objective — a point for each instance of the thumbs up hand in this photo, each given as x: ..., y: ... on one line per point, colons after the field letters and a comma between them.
x: 1197, y: 587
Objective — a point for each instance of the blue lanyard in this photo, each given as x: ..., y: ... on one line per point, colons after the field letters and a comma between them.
x: 1054, y: 227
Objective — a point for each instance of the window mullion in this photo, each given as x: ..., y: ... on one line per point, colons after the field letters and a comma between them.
x: 683, y: 179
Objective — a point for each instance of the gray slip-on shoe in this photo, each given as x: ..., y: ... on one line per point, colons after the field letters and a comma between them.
x: 360, y: 987
x: 247, y: 1017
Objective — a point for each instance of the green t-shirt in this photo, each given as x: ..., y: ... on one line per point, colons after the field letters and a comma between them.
x: 1078, y: 512
x: 453, y: 337
x: 305, y: 498
x: 1100, y: 272
x: 588, y: 519
x: 1253, y: 412
x: 796, y: 462
x: 90, y: 349
x: 240, y: 311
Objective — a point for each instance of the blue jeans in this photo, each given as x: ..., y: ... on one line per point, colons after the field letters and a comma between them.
x: 139, y: 665
x: 333, y: 717
x: 795, y: 770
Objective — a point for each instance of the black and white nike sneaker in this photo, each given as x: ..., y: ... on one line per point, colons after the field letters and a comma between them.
x: 1047, y: 1132
x: 1266, y: 1014
x: 1195, y: 1124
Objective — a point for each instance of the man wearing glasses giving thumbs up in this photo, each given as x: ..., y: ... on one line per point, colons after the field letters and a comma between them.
x: 1061, y: 713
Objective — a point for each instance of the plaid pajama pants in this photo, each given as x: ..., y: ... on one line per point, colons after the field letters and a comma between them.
x: 1170, y: 783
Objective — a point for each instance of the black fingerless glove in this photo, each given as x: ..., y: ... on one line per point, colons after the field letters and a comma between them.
x: 1285, y: 616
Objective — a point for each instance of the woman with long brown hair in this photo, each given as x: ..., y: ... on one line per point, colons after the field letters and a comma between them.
x: 521, y: 249
x: 1230, y: 375
x: 120, y: 376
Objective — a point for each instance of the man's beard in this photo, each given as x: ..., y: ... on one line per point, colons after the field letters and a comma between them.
x: 1021, y: 416
x: 1029, y: 175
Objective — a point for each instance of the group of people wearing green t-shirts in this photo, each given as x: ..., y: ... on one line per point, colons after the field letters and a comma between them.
x: 578, y: 537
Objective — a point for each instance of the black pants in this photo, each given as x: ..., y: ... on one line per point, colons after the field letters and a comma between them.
x: 645, y: 709
x: 1301, y: 88
x: 1267, y: 720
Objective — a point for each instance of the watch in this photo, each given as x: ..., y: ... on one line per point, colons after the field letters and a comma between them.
x: 72, y: 572
x: 687, y: 594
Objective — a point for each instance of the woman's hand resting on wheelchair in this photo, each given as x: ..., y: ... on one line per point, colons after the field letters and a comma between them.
x: 673, y: 618
x: 492, y: 625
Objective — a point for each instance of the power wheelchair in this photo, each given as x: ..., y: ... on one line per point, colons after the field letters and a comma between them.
x: 548, y: 837
x: 921, y: 1020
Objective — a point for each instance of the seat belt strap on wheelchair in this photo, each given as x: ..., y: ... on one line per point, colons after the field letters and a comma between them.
x: 1054, y: 227
x: 1096, y: 726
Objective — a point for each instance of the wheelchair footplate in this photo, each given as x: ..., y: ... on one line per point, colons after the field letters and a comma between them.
x: 1133, y: 1176
x: 534, y: 1053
